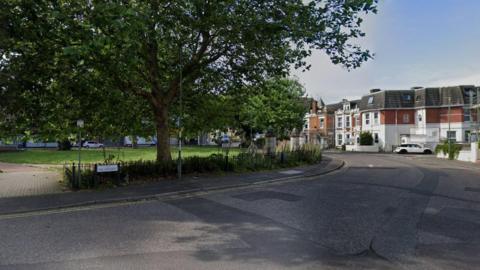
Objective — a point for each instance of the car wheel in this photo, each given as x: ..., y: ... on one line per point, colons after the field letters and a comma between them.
x: 403, y: 151
x: 427, y: 152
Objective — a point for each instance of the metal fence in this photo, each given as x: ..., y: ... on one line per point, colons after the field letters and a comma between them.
x: 88, y: 176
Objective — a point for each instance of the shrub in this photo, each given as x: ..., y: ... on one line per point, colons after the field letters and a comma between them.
x: 444, y: 149
x: 366, y: 138
x: 64, y: 145
x: 145, y: 170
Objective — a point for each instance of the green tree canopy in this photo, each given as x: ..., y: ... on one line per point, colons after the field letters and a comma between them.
x: 277, y: 104
x: 137, y: 54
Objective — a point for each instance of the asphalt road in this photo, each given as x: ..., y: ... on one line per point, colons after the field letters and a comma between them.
x: 378, y: 212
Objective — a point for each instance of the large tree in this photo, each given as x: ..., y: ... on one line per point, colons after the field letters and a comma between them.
x: 147, y: 50
x: 277, y: 105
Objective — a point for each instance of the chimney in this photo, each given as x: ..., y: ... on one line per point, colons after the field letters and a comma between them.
x: 375, y: 90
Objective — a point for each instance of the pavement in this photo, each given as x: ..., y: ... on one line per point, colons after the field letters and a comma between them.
x: 379, y: 211
x: 54, y: 199
x: 17, y: 180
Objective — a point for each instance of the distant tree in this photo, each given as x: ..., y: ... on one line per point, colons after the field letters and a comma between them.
x: 131, y: 55
x: 276, y: 104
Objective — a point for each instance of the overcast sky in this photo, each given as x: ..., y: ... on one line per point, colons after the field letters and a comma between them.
x: 416, y: 43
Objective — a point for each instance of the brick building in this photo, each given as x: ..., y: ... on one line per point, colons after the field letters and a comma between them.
x: 420, y: 115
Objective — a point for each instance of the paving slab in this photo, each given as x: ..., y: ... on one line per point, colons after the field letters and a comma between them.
x: 17, y: 180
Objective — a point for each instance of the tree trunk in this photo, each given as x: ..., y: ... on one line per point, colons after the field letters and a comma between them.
x: 163, y: 134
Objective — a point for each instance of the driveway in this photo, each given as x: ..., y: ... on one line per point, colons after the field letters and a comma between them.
x: 18, y: 180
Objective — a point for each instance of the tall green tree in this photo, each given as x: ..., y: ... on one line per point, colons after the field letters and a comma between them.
x: 149, y: 49
x: 278, y: 105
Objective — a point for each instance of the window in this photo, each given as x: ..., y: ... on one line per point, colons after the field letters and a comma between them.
x: 467, y: 117
x: 347, y: 138
x: 347, y: 121
x: 370, y: 100
x: 467, y: 136
x: 452, y: 135
x: 375, y: 137
x: 375, y: 118
x: 357, y: 121
x: 406, y: 118
x: 407, y: 97
x: 367, y: 119
x: 339, y: 122
x: 322, y: 122
x: 420, y: 118
x: 358, y: 140
x: 339, y: 139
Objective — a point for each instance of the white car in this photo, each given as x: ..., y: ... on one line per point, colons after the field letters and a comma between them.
x: 412, y: 148
x: 92, y: 144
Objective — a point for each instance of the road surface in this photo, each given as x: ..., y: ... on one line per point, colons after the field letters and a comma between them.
x: 380, y: 211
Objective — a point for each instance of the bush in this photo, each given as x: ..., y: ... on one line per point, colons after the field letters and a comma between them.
x: 366, y: 138
x: 444, y: 149
x: 145, y: 170
x: 64, y: 145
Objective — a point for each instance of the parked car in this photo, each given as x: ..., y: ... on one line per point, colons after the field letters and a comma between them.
x: 412, y: 148
x: 92, y: 144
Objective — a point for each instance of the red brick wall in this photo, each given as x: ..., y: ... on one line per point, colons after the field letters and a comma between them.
x: 313, y: 122
x: 388, y: 117
x: 440, y: 115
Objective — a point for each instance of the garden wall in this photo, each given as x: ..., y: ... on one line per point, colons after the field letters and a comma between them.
x: 362, y: 148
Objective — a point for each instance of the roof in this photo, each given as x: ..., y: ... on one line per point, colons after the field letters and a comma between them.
x: 388, y: 99
x: 331, y: 108
x: 421, y: 97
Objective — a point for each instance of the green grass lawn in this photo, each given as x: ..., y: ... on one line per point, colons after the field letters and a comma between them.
x: 47, y: 156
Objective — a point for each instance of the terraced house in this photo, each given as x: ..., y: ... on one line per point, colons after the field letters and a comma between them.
x: 320, y: 123
x: 347, y: 123
x: 420, y: 115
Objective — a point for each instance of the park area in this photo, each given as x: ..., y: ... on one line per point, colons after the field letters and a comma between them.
x: 53, y: 156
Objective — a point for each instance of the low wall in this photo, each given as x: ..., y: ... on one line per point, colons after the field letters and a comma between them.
x: 362, y: 148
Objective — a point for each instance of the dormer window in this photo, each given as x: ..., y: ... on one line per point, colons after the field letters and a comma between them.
x: 370, y: 100
x: 406, y: 97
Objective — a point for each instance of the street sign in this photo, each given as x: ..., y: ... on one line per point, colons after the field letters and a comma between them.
x: 107, y: 168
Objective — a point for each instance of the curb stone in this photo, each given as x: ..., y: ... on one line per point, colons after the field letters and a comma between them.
x: 171, y: 195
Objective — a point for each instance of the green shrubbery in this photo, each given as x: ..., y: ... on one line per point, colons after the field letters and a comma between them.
x: 366, y: 138
x: 444, y: 148
x: 244, y: 162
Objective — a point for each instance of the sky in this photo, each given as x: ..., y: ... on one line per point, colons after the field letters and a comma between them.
x: 416, y: 43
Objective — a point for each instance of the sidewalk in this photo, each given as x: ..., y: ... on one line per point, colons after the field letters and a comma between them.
x: 17, y: 180
x: 163, y: 188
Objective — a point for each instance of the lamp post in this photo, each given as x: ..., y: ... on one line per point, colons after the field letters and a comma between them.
x: 449, y: 130
x: 179, y: 120
x: 80, y: 124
